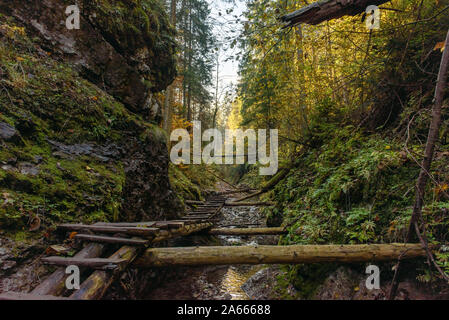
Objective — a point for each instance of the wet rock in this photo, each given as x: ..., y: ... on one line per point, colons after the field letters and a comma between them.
x: 27, y: 168
x: 102, y: 153
x: 341, y: 284
x: 262, y: 285
x: 8, y: 167
x: 38, y: 159
x: 147, y: 192
x: 7, y: 132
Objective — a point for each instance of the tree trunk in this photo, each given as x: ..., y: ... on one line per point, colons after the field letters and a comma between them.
x: 160, y: 257
x: 189, y: 66
x: 216, y: 90
x: 318, y: 12
x: 169, y: 97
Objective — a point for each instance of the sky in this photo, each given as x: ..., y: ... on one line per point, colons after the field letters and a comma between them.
x: 228, y: 72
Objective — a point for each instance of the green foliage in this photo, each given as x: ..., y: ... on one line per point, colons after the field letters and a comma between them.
x: 189, y: 182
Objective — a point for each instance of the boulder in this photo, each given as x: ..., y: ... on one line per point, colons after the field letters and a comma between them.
x: 7, y: 132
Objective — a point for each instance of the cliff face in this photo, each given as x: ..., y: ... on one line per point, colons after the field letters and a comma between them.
x: 79, y: 135
x: 124, y: 47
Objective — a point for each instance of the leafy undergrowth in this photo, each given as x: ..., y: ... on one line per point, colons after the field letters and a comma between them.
x: 46, y: 101
x: 190, y: 182
x: 357, y: 188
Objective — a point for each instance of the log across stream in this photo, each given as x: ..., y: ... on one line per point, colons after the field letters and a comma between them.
x: 220, y: 282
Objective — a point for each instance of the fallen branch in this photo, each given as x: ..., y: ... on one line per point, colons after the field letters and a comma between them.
x: 220, y: 178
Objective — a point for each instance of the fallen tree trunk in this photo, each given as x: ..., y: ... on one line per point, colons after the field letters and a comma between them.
x: 269, y: 185
x: 247, y: 231
x: 321, y: 11
x: 160, y: 257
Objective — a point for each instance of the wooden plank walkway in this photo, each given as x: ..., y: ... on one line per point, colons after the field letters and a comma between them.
x: 135, y: 238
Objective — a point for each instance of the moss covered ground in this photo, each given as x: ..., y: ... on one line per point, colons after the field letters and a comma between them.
x: 46, y: 100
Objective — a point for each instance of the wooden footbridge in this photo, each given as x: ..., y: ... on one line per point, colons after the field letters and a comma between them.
x: 136, y: 242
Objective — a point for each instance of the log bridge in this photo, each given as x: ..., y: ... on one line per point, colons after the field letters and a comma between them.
x: 100, y: 267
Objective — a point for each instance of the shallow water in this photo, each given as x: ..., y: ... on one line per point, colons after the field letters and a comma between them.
x: 218, y: 282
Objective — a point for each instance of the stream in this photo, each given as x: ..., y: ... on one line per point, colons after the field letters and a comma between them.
x: 217, y: 282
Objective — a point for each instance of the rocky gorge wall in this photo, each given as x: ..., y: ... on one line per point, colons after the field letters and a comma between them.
x: 79, y: 115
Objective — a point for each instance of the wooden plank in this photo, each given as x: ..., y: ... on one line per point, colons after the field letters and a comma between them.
x: 10, y: 296
x: 55, y: 283
x: 94, y: 263
x: 195, y: 213
x: 192, y: 202
x: 208, y: 206
x: 128, y: 224
x: 176, y: 225
x: 187, y: 230
x: 298, y: 254
x: 107, y: 229
x: 186, y: 222
x: 116, y: 240
x: 154, y: 224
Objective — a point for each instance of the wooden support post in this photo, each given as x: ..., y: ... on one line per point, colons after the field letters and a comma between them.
x: 194, y: 256
x: 94, y: 287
